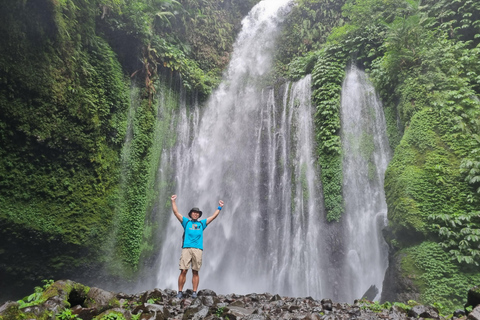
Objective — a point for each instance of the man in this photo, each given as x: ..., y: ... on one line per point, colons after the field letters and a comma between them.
x: 192, y: 245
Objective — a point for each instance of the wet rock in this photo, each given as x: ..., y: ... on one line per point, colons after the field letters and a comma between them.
x: 459, y: 313
x: 397, y: 313
x: 257, y: 317
x: 36, y: 310
x: 237, y: 312
x: 473, y: 297
x: 421, y: 311
x: 327, y: 304
x: 237, y: 303
x: 209, y: 301
x: 195, y: 313
x: 475, y: 314
x: 101, y: 300
x: 210, y: 306
x: 206, y: 292
x: 84, y: 313
x: 312, y: 316
x: 276, y: 298
x: 371, y: 293
x: 155, y: 295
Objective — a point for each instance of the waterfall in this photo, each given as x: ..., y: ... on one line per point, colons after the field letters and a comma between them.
x: 254, y: 148
x: 366, y: 156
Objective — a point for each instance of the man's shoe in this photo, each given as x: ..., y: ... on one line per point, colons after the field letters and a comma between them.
x: 179, y: 295
x: 194, y: 295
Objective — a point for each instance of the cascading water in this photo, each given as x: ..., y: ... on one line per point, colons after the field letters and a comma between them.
x: 254, y: 149
x: 366, y: 156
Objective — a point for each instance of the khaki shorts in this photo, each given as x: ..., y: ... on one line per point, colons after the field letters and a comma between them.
x: 191, y: 255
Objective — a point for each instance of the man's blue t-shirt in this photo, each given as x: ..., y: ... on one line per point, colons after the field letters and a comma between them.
x: 193, y: 233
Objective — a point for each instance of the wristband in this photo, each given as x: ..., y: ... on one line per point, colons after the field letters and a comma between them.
x: 219, y: 208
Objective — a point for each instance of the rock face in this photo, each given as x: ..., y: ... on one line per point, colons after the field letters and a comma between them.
x: 397, y: 287
x: 473, y: 297
x: 74, y: 299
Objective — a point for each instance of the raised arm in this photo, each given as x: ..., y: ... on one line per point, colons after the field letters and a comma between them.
x: 174, y: 208
x: 215, y: 214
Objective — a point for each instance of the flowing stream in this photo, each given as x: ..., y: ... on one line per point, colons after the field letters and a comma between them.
x: 253, y: 147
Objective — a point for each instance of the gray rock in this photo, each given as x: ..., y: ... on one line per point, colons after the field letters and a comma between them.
x: 475, y: 314
x: 100, y: 300
x: 158, y: 312
x: 195, y: 313
x: 156, y: 295
x: 421, y: 311
x: 396, y: 286
x: 8, y: 306
x: 237, y: 303
x: 209, y: 301
x: 84, y: 313
x: 206, y: 292
x: 371, y: 293
x: 312, y: 316
x: 459, y: 313
x: 237, y: 312
x: 327, y: 304
x: 36, y: 310
x: 257, y: 317
x: 276, y: 298
x: 473, y: 297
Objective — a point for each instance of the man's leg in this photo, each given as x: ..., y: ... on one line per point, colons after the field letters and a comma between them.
x: 181, y: 279
x: 195, y: 280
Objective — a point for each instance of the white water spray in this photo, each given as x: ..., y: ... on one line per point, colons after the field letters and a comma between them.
x: 366, y: 156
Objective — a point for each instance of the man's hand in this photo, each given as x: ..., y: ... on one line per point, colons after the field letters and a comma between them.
x: 174, y: 208
x: 215, y: 214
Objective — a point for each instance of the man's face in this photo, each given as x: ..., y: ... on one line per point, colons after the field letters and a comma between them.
x: 195, y: 215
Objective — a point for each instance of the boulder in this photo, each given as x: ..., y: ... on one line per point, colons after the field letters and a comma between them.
x: 473, y: 297
x: 195, y: 313
x: 459, y: 313
x: 371, y: 293
x: 475, y: 314
x: 396, y: 285
x: 84, y: 313
x: 8, y: 306
x: 420, y: 311
x: 327, y: 304
x: 237, y: 313
x: 156, y: 295
x: 257, y: 317
x: 209, y: 301
x: 206, y: 292
x: 101, y: 300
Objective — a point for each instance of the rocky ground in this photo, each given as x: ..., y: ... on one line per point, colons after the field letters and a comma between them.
x: 69, y: 300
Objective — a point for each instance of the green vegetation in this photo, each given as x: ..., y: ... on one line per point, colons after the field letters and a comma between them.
x: 376, y: 306
x: 37, y: 297
x: 68, y: 180
x: 441, y: 280
x: 423, y: 61
x: 327, y: 77
x: 67, y: 315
